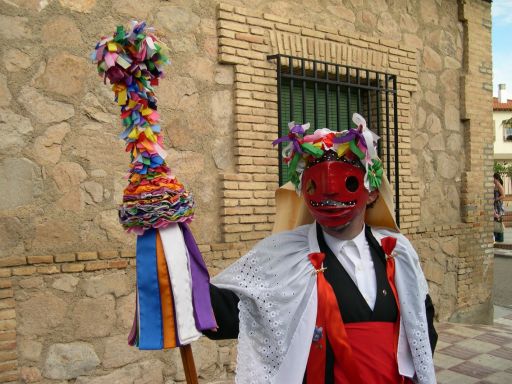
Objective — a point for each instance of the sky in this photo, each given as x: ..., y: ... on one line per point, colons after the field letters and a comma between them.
x: 502, y: 45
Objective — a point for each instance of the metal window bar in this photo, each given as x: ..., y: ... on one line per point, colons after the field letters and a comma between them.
x: 337, y: 91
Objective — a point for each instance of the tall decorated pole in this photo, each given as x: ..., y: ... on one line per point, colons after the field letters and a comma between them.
x: 173, y: 301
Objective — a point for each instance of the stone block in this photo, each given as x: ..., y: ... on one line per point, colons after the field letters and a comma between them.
x: 66, y: 283
x: 224, y: 75
x: 118, y: 353
x: 134, y: 9
x: 29, y: 349
x: 125, y: 309
x: 14, y: 28
x: 32, y: 282
x: 16, y: 60
x: 146, y: 372
x: 68, y: 361
x: 20, y: 183
x: 40, y: 314
x: 11, y: 238
x: 93, y: 317
x: 112, y: 283
x: 82, y: 6
x: 47, y: 147
x: 5, y: 94
x: 68, y: 175
x: 44, y: 109
x: 432, y: 61
x: 61, y: 30
x: 30, y: 374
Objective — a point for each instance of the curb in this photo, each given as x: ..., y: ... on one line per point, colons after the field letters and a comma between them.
x: 502, y: 252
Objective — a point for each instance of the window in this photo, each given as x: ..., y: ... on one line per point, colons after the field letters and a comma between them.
x: 507, y: 129
x: 507, y: 133
x: 327, y: 94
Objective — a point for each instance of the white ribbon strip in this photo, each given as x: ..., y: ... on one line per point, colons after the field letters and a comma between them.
x: 179, y: 272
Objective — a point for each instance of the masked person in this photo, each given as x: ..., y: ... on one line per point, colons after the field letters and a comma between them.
x: 338, y: 300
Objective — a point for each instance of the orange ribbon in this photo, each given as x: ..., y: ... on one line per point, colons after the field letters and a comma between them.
x: 166, y: 299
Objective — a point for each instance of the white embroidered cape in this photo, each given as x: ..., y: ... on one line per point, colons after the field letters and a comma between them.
x: 276, y: 285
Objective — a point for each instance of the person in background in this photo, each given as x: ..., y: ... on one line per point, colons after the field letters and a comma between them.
x: 499, y: 210
x: 342, y: 300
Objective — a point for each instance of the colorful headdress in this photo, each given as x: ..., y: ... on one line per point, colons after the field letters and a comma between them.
x: 300, y: 150
x: 155, y: 205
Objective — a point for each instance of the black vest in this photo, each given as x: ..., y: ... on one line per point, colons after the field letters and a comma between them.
x: 353, y: 306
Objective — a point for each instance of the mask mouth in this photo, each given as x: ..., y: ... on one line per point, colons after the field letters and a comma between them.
x: 332, y: 203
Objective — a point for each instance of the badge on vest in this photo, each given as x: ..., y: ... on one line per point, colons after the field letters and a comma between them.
x: 317, y: 334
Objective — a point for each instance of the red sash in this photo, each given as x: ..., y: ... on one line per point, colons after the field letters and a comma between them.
x: 363, y: 352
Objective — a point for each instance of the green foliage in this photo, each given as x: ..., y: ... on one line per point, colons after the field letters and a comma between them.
x: 504, y: 169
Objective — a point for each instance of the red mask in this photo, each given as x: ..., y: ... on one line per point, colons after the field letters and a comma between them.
x: 334, y: 192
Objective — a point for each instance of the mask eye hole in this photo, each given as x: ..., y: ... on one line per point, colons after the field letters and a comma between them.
x: 352, y: 183
x: 310, y: 187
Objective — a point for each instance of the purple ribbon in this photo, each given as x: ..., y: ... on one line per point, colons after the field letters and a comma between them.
x: 132, y: 337
x: 292, y: 137
x: 351, y: 135
x: 203, y: 311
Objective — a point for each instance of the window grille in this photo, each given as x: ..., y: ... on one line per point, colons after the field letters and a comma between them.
x: 327, y: 94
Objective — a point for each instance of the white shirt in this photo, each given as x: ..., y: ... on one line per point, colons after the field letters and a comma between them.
x: 354, y: 255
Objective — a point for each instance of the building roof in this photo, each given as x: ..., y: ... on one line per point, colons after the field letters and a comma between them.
x: 497, y: 106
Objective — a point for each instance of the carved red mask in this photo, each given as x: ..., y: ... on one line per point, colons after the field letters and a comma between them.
x: 334, y: 192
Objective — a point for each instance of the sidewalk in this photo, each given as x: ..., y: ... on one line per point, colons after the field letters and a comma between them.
x: 471, y: 354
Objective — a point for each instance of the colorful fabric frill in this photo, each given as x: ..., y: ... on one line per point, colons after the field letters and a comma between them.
x: 300, y: 149
x: 132, y: 61
x: 173, y: 298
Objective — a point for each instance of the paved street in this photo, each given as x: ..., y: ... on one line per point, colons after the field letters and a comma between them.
x: 475, y: 354
x: 481, y: 354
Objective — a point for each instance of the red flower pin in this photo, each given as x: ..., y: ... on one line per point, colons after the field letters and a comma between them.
x: 388, y: 245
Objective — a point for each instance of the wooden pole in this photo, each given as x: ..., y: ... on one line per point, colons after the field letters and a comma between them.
x: 188, y: 364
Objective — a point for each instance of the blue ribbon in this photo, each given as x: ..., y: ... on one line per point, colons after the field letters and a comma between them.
x: 150, y: 310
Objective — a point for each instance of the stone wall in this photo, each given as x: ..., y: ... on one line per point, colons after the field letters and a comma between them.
x: 66, y: 267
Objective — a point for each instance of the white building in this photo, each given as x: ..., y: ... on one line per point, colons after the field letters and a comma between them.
x: 502, y: 118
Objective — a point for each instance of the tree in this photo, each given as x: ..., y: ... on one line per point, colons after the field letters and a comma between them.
x: 504, y: 169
